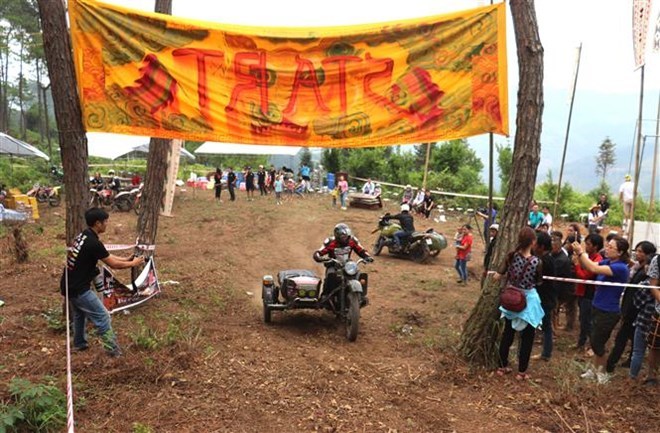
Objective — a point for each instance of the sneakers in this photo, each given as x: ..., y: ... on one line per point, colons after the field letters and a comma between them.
x: 588, y: 375
x: 80, y: 348
x: 603, y: 378
x: 114, y: 353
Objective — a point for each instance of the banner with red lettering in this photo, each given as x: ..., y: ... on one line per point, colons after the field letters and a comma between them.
x: 411, y: 81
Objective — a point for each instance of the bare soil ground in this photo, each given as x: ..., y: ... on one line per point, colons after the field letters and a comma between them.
x: 200, y: 359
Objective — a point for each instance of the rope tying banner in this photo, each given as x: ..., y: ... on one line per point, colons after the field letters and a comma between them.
x: 600, y: 283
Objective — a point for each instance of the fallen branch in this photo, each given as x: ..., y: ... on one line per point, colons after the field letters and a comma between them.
x: 564, y: 421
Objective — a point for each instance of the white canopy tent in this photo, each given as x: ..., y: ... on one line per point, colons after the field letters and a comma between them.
x: 113, y: 146
x: 279, y: 156
x: 13, y: 146
x: 245, y: 149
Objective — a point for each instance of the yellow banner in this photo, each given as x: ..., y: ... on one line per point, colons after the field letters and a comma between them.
x: 411, y: 81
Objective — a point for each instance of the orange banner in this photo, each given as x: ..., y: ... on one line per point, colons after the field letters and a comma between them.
x: 412, y: 81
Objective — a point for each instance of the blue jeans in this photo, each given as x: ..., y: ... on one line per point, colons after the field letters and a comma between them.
x: 546, y: 324
x: 639, y: 347
x: 461, y: 268
x: 400, y: 237
x: 584, y: 305
x: 342, y: 198
x: 88, y: 306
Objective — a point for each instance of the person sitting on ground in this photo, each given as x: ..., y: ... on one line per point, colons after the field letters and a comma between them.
x: 377, y: 190
x: 339, y: 248
x: 524, y: 270
x: 535, y: 217
x: 407, y: 225
x: 595, y: 218
x: 428, y: 204
x: 368, y: 187
x: 417, y: 202
x: 77, y: 277
x: 407, y: 196
x: 584, y: 293
x: 605, y: 307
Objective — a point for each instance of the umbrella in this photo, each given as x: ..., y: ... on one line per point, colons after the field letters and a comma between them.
x: 14, y: 146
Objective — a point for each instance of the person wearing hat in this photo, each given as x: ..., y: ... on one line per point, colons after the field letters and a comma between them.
x: 407, y: 195
x: 595, y: 218
x: 492, y: 232
x: 626, y: 191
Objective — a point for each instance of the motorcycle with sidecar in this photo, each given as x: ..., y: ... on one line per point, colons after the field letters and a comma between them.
x: 301, y: 289
x: 418, y: 247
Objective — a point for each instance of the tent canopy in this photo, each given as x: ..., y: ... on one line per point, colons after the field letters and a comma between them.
x: 13, y: 146
x: 214, y: 148
x: 113, y: 146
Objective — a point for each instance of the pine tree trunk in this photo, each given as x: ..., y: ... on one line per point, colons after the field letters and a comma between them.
x: 73, y: 141
x: 154, y: 179
x: 20, y: 245
x: 480, y: 338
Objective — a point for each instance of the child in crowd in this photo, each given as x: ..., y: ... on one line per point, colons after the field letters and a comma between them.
x: 334, y: 193
x: 279, y: 187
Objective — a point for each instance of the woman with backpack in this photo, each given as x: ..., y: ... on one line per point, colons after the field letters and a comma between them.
x: 524, y: 271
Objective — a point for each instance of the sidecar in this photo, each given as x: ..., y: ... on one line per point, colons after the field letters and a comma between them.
x: 295, y: 288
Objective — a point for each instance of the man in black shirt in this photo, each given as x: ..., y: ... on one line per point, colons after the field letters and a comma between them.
x: 565, y: 291
x: 249, y: 183
x: 407, y: 225
x: 547, y: 290
x: 80, y: 270
x: 231, y: 183
x: 261, y: 180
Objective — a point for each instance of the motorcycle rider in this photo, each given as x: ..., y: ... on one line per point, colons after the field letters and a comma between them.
x: 407, y: 225
x: 340, y: 248
x: 115, y: 183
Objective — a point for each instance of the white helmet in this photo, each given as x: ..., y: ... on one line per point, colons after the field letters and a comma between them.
x: 405, y: 207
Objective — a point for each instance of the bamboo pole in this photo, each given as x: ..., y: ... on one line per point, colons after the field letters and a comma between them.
x: 655, y: 164
x: 638, y: 148
x: 568, y: 129
x: 426, y: 164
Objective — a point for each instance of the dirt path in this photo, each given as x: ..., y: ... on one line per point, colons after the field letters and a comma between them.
x: 215, y: 366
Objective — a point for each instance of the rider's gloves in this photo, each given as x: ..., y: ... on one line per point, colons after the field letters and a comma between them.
x: 369, y: 259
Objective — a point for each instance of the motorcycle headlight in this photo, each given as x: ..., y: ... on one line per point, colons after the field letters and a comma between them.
x: 351, y: 268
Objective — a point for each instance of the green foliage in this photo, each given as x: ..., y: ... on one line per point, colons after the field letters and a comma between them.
x: 331, y: 160
x: 180, y: 330
x: 141, y: 428
x: 606, y: 158
x: 54, y: 319
x: 39, y: 407
x: 504, y: 164
x: 306, y: 157
x: 23, y: 173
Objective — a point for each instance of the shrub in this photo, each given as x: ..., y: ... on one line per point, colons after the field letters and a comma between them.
x: 39, y: 407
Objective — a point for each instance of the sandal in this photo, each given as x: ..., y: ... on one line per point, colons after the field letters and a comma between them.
x: 503, y: 370
x: 523, y: 376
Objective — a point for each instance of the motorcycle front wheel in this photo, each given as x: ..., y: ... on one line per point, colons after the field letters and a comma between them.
x: 123, y: 204
x: 41, y: 197
x: 378, y: 245
x: 353, y: 316
x: 54, y: 200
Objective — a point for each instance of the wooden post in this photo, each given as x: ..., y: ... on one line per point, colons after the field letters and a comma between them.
x: 170, y: 180
x: 568, y: 128
x: 655, y: 165
x: 426, y: 164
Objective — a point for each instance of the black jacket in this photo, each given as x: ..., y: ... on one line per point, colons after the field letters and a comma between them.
x: 406, y: 220
x: 547, y: 289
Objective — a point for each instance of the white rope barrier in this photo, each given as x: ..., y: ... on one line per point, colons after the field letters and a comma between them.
x: 600, y: 283
x: 69, y: 381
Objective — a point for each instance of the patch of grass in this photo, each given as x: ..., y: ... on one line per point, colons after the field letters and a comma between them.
x: 39, y: 407
x: 54, y: 319
x: 180, y: 330
x: 141, y: 428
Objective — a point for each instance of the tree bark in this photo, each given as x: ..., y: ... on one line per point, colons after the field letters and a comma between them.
x: 154, y: 179
x: 73, y: 141
x: 20, y: 245
x: 480, y: 337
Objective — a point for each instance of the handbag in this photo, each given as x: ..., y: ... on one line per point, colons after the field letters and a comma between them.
x: 513, y: 298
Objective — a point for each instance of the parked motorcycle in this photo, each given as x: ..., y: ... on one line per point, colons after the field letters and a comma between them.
x: 126, y: 200
x: 418, y: 247
x: 299, y: 288
x: 101, y: 197
x: 43, y: 194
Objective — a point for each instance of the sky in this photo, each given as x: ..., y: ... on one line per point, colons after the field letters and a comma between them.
x: 608, y: 85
